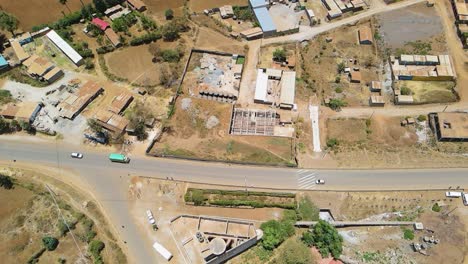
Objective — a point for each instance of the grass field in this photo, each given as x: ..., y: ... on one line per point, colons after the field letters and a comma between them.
x: 32, y: 13
x: 430, y: 92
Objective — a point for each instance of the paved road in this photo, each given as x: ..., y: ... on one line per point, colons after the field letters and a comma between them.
x: 108, y: 181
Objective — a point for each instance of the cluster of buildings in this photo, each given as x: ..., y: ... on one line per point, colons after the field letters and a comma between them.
x: 336, y: 8
x: 116, y: 11
x: 108, y: 31
x: 111, y: 118
x: 275, y: 87
x: 422, y: 67
x: 271, y: 23
x: 460, y: 10
x: 42, y: 69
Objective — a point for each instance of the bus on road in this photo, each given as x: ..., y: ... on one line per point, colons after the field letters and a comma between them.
x: 114, y: 157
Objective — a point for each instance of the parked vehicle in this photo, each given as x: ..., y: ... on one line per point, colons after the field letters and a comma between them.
x: 453, y: 194
x: 150, y: 217
x: 114, y: 157
x: 319, y: 181
x: 77, y: 155
x: 162, y: 250
x: 465, y: 198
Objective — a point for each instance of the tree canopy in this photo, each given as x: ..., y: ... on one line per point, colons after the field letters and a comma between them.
x: 279, y: 55
x: 325, y: 237
x: 274, y: 233
x: 8, y: 22
x: 294, y: 252
x: 50, y: 243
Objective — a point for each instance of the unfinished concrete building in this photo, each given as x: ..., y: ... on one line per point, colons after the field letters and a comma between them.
x: 257, y: 122
x: 450, y: 126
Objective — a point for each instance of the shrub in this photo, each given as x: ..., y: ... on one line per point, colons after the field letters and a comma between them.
x: 405, y: 90
x: 245, y: 14
x: 294, y: 252
x: 422, y: 118
x: 332, y: 142
x: 274, y: 233
x: 5, y: 97
x: 145, y: 39
x: 337, y: 79
x: 195, y: 196
x: 336, y: 104
x: 6, y: 182
x: 170, y: 55
x: 436, y: 208
x: 169, y: 32
x: 279, y: 55
x: 338, y: 89
x: 325, y: 237
x: 341, y: 66
x: 50, y: 243
x: 408, y: 234
x: 169, y: 14
x: 95, y: 247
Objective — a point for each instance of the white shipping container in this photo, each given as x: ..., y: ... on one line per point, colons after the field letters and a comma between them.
x: 465, y: 199
x: 453, y: 194
x: 162, y: 250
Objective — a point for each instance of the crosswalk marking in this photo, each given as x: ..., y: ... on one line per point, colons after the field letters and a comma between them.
x: 305, y: 179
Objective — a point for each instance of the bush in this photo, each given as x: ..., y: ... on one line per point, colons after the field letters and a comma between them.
x: 6, y: 182
x: 279, y: 55
x: 169, y: 32
x: 341, y: 66
x: 95, y: 247
x: 170, y: 55
x: 274, y: 233
x: 105, y: 49
x: 338, y: 90
x: 325, y: 237
x: 336, y: 104
x: 169, y: 14
x: 422, y: 118
x: 5, y: 97
x: 405, y: 90
x: 147, y: 23
x: 290, y: 215
x: 50, y: 243
x: 332, y: 142
x: 245, y: 14
x: 307, y: 210
x: 145, y: 39
x: 408, y: 234
x: 436, y: 208
x: 89, y: 64
x: 337, y: 79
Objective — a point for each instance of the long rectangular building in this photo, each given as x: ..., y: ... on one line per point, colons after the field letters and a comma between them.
x: 65, y: 47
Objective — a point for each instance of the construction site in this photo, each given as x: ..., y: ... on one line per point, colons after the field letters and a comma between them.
x: 256, y: 122
x: 214, y: 76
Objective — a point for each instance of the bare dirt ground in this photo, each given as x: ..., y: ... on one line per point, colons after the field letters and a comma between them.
x: 383, y: 142
x: 212, y: 40
x: 199, y: 6
x: 29, y: 214
x: 166, y: 200
x: 134, y: 64
x: 32, y: 13
x: 382, y: 245
x: 344, y: 47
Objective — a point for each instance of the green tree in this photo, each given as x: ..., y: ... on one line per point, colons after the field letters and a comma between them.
x: 294, y: 252
x: 274, y: 233
x: 341, y: 67
x: 169, y: 32
x: 332, y: 142
x: 336, y: 104
x: 5, y: 97
x: 405, y: 90
x: 8, y: 22
x: 6, y: 182
x: 307, y: 210
x: 4, y: 126
x: 169, y: 14
x: 170, y: 55
x: 325, y: 237
x: 100, y: 5
x: 279, y: 55
x: 408, y: 234
x: 50, y: 243
x: 95, y: 247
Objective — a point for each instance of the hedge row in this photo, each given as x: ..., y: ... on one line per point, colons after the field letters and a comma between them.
x: 145, y: 39
x: 244, y: 193
x: 105, y: 49
x: 255, y: 204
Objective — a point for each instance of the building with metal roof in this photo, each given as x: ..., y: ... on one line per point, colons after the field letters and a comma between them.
x: 3, y: 63
x: 265, y: 21
x: 65, y: 47
x: 288, y: 89
x: 103, y: 25
x: 258, y: 3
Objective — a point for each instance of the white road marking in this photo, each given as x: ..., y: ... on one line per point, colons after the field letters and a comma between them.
x: 305, y: 179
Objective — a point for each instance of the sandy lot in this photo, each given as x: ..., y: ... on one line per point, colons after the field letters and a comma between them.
x: 31, y: 13
x: 410, y: 24
x: 199, y: 6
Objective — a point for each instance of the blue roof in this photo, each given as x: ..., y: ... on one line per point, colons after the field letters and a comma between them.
x: 257, y: 3
x: 264, y: 18
x: 3, y: 62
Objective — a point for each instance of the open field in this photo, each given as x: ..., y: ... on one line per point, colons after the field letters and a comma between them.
x: 417, y: 22
x: 29, y: 214
x: 199, y: 6
x: 32, y: 13
x: 134, y: 64
x: 344, y: 48
x: 212, y: 40
x: 199, y: 129
x: 383, y: 142
x: 430, y: 92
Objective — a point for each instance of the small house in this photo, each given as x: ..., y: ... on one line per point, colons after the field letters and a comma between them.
x: 226, y: 11
x: 136, y: 5
x: 113, y: 37
x: 377, y: 100
x: 355, y: 76
x: 101, y: 24
x: 3, y: 63
x: 365, y: 36
x: 376, y: 86
x: 404, y: 99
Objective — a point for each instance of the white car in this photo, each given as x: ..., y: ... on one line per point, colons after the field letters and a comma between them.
x: 77, y: 155
x: 319, y: 181
x: 150, y: 217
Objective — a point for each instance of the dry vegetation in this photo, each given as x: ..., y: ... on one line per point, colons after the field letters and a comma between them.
x: 323, y: 55
x: 29, y: 214
x: 383, y: 142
